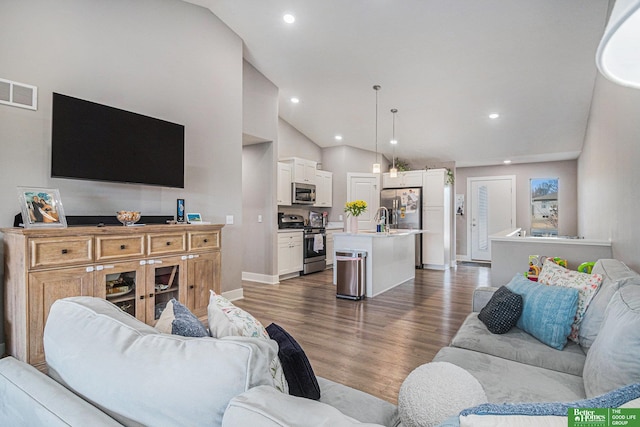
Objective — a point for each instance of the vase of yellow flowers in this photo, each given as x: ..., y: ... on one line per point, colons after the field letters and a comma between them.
x: 354, y: 210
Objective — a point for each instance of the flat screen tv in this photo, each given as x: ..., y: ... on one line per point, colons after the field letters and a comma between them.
x: 97, y: 142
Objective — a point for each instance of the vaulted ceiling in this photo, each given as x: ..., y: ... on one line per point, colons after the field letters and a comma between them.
x: 445, y: 65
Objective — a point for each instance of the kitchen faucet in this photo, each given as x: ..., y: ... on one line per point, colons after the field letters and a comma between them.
x: 377, y: 218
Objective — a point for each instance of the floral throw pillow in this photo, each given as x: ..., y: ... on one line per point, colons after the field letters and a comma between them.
x: 586, y: 284
x: 225, y: 319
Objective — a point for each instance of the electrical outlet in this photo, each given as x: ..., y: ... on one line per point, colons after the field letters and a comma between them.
x: 340, y: 218
x: 229, y: 219
x: 259, y: 218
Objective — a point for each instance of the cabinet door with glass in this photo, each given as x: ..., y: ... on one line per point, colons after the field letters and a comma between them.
x: 166, y: 278
x: 123, y: 284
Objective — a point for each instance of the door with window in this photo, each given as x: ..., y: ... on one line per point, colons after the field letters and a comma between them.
x: 492, y: 209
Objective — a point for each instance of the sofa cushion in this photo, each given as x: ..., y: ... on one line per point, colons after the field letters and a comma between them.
x: 519, y: 346
x: 434, y: 391
x: 140, y: 376
x: 358, y: 404
x: 586, y: 284
x: 297, y: 368
x: 264, y: 406
x: 502, y: 311
x: 179, y: 320
x: 30, y: 398
x: 508, y: 381
x: 225, y: 319
x: 615, y: 275
x: 548, y: 311
x: 612, y: 360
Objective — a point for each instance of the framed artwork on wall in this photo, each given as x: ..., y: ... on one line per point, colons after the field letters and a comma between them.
x: 41, y: 207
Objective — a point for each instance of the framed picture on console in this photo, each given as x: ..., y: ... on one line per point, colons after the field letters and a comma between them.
x: 41, y: 207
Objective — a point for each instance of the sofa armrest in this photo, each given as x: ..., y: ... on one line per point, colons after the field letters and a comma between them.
x: 268, y: 407
x: 481, y: 297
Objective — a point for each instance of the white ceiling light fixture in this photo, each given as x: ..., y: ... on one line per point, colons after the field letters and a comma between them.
x: 294, y: 100
x: 393, y: 172
x: 494, y: 116
x: 376, y: 163
x: 506, y: 162
x: 289, y: 18
x: 618, y: 55
x: 338, y: 137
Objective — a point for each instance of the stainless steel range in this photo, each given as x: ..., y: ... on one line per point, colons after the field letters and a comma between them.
x: 315, y: 242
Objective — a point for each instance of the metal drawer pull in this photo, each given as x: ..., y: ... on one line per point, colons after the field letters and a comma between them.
x: 122, y: 247
x: 65, y: 251
x: 206, y: 240
x: 168, y: 243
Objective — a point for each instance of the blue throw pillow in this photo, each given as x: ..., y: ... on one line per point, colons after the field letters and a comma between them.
x: 548, y: 311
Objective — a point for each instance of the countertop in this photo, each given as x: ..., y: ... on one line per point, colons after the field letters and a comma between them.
x: 392, y: 233
x: 511, y: 235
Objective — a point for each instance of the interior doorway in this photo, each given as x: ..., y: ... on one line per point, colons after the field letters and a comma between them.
x: 492, y: 208
x: 365, y: 186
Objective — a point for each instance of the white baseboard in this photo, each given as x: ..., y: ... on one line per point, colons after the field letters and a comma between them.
x: 260, y: 278
x: 463, y: 258
x: 234, y: 294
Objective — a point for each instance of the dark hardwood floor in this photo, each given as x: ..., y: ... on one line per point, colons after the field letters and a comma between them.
x: 373, y: 344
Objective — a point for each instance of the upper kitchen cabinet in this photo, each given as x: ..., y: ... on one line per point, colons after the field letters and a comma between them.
x: 434, y: 185
x: 303, y: 171
x: 324, y: 188
x: 403, y: 180
x: 284, y: 184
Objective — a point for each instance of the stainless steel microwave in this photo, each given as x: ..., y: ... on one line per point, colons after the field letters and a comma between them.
x: 303, y: 194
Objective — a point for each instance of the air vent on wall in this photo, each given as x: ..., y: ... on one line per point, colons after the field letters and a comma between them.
x: 18, y: 94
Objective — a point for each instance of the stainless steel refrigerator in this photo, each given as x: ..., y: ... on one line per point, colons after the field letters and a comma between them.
x: 405, y: 212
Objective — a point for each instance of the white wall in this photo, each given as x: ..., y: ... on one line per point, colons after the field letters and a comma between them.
x: 293, y: 143
x: 566, y: 171
x: 162, y: 58
x: 609, y: 171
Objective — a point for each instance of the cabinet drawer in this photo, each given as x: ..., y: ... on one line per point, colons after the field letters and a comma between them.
x: 47, y: 252
x: 160, y: 244
x: 115, y: 247
x: 204, y: 240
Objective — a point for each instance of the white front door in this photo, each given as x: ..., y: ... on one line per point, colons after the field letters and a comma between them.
x: 365, y: 186
x: 493, y: 209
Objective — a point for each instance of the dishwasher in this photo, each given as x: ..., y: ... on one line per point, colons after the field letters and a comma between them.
x: 350, y: 274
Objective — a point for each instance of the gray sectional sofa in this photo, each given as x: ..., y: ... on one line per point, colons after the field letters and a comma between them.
x: 516, y: 367
x: 107, y: 368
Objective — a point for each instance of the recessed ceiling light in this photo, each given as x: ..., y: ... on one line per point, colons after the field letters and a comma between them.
x: 338, y: 137
x: 393, y: 141
x: 289, y: 18
x: 506, y: 162
x: 295, y: 100
x: 494, y: 115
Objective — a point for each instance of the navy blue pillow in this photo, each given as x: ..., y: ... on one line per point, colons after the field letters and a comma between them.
x: 297, y: 369
x: 502, y: 311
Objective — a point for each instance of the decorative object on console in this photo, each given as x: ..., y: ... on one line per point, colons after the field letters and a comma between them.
x: 502, y: 311
x: 586, y: 284
x: 180, y: 210
x: 297, y: 369
x: 41, y: 207
x: 548, y: 311
x: 176, y: 319
x: 128, y: 218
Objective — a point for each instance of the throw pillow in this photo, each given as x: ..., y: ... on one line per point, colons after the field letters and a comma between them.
x: 547, y: 311
x: 178, y: 320
x: 586, y: 284
x: 225, y: 319
x: 612, y: 360
x: 502, y: 311
x: 434, y: 391
x: 297, y: 369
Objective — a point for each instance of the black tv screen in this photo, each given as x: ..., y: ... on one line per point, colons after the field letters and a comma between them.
x: 102, y: 143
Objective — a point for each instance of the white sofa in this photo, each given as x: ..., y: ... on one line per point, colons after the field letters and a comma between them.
x: 108, y: 368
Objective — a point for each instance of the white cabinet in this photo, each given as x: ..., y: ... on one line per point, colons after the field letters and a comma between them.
x: 303, y: 170
x: 284, y: 184
x: 403, y: 180
x: 436, y: 219
x: 324, y: 188
x: 330, y: 245
x: 290, y: 252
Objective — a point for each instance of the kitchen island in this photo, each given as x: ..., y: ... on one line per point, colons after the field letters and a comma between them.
x: 390, y: 257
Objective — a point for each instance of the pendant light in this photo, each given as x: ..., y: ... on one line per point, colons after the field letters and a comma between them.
x: 393, y: 172
x: 376, y: 164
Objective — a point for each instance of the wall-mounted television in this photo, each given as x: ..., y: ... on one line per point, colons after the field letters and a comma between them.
x: 97, y: 142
